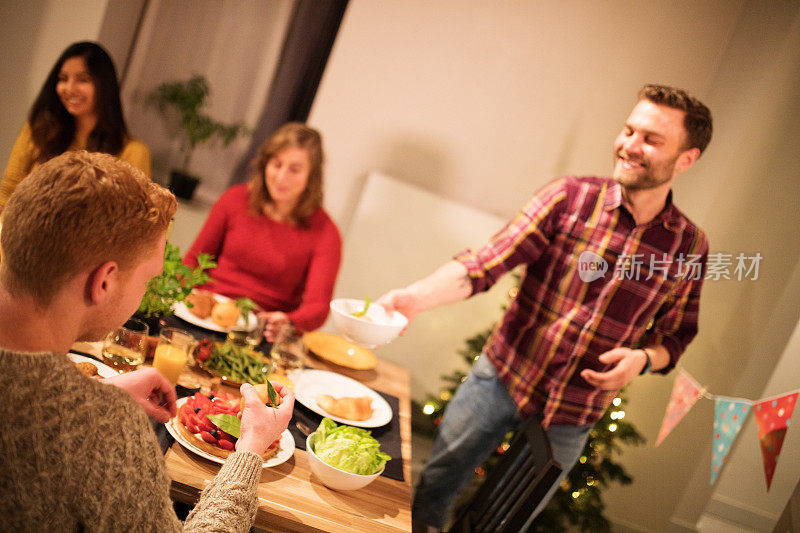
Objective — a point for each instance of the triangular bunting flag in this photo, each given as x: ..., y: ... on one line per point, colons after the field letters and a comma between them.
x: 773, y: 417
x: 685, y: 392
x: 729, y: 415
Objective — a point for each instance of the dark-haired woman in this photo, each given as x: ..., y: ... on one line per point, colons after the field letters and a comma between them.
x: 78, y: 108
x: 272, y: 240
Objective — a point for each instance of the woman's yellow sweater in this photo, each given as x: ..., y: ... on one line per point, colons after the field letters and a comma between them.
x: 24, y: 153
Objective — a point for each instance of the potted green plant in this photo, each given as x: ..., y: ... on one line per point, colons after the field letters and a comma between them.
x: 174, y: 284
x: 187, y: 100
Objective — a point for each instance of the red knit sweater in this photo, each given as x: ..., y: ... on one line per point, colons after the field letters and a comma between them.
x: 280, y: 267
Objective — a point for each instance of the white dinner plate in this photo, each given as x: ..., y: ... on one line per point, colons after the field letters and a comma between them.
x: 182, y: 311
x: 103, y: 370
x: 309, y: 383
x: 285, y: 451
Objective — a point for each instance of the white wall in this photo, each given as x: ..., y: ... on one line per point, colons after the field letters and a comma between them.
x: 235, y: 45
x: 741, y: 485
x: 35, y: 32
x: 482, y: 103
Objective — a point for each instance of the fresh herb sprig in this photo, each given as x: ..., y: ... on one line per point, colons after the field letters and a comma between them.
x: 273, y: 395
x: 246, y: 306
x: 230, y: 424
x: 363, y: 312
x: 174, y: 283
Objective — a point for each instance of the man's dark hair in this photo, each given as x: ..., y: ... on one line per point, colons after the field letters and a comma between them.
x: 697, y: 122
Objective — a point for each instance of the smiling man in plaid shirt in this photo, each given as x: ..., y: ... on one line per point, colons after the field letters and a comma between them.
x: 607, y: 260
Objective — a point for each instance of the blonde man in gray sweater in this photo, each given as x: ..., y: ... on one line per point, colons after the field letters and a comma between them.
x: 81, y: 237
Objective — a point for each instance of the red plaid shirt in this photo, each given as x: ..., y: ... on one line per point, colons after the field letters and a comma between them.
x: 569, y: 310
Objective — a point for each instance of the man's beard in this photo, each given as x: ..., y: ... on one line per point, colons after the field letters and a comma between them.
x: 648, y: 176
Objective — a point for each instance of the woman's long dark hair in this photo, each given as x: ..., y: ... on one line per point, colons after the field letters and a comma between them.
x: 53, y: 128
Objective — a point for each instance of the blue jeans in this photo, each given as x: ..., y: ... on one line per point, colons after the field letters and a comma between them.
x: 474, y: 424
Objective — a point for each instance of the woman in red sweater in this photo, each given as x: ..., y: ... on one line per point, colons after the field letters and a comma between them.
x: 271, y: 238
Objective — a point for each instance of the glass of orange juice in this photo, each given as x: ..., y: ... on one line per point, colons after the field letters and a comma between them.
x: 172, y: 352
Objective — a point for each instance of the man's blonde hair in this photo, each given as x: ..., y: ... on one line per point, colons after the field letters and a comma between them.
x: 75, y: 212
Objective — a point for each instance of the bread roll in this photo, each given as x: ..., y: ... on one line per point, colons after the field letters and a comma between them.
x: 225, y: 314
x: 201, y: 303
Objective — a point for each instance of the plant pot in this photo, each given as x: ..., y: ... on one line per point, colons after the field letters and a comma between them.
x: 182, y: 185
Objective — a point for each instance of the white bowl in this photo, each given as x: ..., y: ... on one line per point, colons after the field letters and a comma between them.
x: 333, y: 477
x: 373, y: 329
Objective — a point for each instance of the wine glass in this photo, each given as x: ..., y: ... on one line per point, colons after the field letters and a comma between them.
x: 251, y: 334
x: 288, y: 351
x: 125, y: 347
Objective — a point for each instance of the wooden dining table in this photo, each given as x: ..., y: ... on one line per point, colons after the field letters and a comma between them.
x: 290, y: 496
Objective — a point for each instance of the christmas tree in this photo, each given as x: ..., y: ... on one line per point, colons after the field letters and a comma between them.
x: 578, y: 502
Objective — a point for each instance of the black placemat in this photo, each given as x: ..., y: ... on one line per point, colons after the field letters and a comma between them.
x: 388, y: 435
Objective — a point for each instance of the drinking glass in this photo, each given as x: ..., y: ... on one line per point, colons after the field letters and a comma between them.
x: 125, y: 347
x: 172, y: 352
x: 288, y: 352
x: 250, y: 334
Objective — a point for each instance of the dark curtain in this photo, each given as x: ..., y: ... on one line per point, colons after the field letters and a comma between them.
x: 312, y: 30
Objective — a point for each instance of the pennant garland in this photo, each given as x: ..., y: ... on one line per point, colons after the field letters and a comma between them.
x: 685, y: 392
x: 729, y: 415
x: 773, y: 416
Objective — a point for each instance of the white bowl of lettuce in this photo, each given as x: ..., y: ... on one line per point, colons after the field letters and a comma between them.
x: 344, y: 457
x: 365, y: 323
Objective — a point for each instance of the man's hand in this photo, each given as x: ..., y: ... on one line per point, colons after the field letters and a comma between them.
x: 151, y: 390
x: 404, y: 301
x: 262, y: 425
x: 274, y: 323
x: 628, y: 365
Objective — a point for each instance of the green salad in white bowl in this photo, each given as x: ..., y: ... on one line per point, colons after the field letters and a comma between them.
x: 344, y: 457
